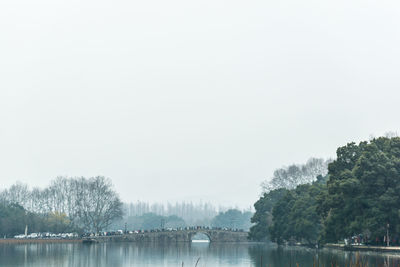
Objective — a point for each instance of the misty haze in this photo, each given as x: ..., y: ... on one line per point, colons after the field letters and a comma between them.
x: 210, y: 133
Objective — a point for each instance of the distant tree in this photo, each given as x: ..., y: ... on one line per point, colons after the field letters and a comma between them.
x: 294, y: 175
x: 148, y: 221
x: 390, y: 134
x: 151, y: 221
x: 174, y: 221
x: 13, y: 219
x: 58, y: 223
x: 68, y: 203
x: 97, y: 203
x: 18, y: 193
x: 191, y: 213
x: 233, y: 218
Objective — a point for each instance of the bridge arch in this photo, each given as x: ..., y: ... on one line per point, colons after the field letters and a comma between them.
x: 197, y: 233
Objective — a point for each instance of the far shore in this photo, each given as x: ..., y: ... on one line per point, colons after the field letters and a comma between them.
x: 38, y: 240
x: 364, y: 248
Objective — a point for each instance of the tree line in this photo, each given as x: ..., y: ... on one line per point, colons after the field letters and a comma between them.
x: 91, y: 205
x: 88, y: 204
x: 357, y: 197
x: 231, y: 218
x: 192, y: 213
x: 14, y: 218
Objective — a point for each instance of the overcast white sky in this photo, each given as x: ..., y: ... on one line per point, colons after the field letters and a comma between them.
x: 189, y: 100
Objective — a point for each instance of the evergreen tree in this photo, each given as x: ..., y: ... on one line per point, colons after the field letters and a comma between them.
x: 362, y: 196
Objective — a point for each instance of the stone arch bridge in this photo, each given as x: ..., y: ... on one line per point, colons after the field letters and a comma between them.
x: 213, y: 235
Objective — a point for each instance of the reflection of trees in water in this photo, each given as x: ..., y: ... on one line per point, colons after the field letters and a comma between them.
x: 278, y: 256
x: 122, y: 254
x: 288, y: 256
x: 129, y: 254
x: 151, y: 254
x: 232, y: 253
x: 49, y: 254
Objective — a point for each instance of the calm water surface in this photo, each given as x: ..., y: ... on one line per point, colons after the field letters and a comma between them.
x: 151, y: 255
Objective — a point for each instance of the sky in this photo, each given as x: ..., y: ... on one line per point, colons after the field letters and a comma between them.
x: 191, y: 100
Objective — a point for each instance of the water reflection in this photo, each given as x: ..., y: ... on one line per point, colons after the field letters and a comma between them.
x: 210, y: 254
x: 291, y: 256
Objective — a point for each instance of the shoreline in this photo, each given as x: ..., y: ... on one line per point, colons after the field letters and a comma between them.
x: 39, y: 240
x: 363, y: 248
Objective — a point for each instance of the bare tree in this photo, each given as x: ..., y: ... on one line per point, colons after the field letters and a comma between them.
x: 97, y: 203
x: 38, y: 201
x: 91, y: 204
x: 294, y: 175
x: 18, y: 193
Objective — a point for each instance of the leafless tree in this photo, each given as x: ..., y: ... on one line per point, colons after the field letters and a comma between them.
x: 18, y: 193
x: 91, y: 204
x: 296, y: 174
x: 97, y: 203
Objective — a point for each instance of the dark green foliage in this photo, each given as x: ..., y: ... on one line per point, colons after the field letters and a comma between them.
x: 361, y: 196
x: 363, y: 190
x: 14, y: 218
x: 289, y: 215
x: 285, y: 180
x: 295, y: 216
x: 262, y: 218
x: 233, y: 219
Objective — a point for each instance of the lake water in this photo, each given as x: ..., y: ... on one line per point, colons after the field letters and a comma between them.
x: 152, y: 255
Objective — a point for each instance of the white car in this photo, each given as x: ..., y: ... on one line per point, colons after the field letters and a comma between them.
x: 33, y: 235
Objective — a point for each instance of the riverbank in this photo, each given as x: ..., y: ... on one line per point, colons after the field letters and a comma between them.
x: 363, y: 248
x: 38, y: 240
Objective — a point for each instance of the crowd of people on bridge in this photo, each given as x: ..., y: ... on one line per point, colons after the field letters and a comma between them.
x: 141, y: 231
